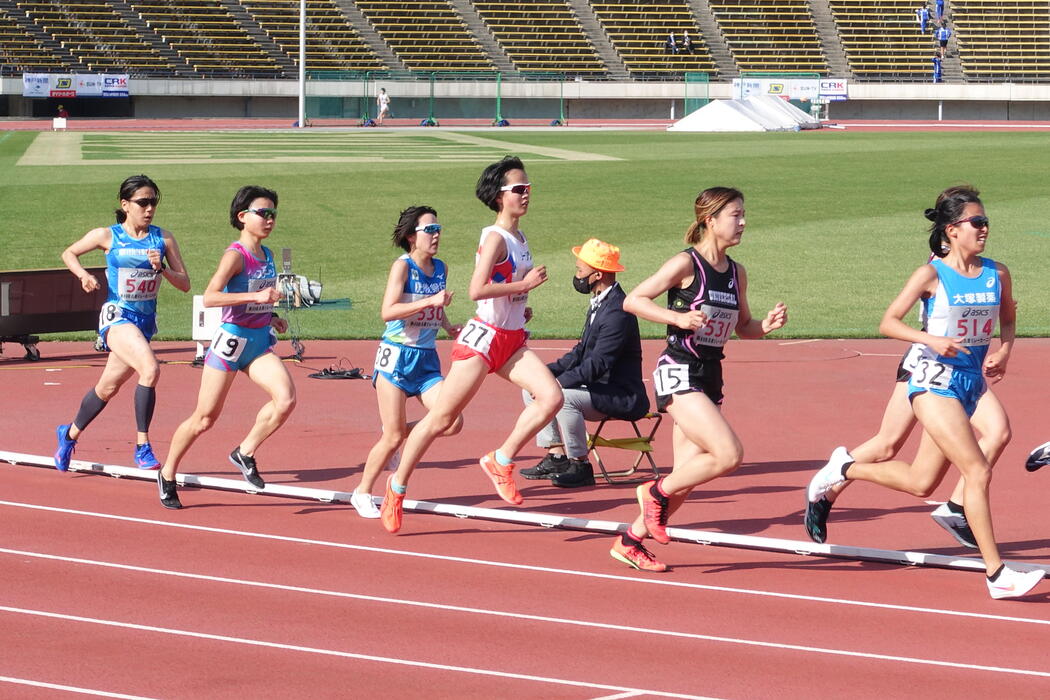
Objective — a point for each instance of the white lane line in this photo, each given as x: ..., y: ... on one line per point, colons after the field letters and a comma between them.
x: 340, y: 654
x: 71, y: 688
x: 533, y: 568
x: 619, y: 696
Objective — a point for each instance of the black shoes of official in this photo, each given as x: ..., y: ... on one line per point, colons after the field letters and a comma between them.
x: 550, y: 465
x: 579, y: 473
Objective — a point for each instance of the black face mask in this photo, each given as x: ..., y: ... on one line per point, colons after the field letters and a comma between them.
x: 581, y: 285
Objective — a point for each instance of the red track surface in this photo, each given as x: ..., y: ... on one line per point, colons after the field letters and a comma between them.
x: 103, y: 589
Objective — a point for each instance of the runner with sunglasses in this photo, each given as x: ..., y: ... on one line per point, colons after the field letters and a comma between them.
x: 898, y: 421
x: 407, y: 362
x: 706, y: 302
x: 964, y: 294
x: 138, y: 256
x: 245, y: 286
x: 493, y: 342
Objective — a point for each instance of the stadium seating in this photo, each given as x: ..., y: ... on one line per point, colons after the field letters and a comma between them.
x: 881, y: 39
x: 542, y: 35
x: 428, y: 35
x: 20, y: 52
x: 638, y: 30
x: 205, y: 34
x: 770, y: 36
x: 97, y: 36
x: 1003, y: 40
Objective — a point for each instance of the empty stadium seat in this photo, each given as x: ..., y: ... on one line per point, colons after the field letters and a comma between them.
x: 771, y: 36
x: 638, y: 30
x: 542, y: 35
x: 428, y: 35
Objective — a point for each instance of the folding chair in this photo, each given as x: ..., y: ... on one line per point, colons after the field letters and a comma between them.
x: 640, y: 443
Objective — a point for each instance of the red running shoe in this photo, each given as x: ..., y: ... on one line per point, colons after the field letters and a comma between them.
x: 654, y: 512
x: 502, y: 477
x: 635, y: 555
x: 390, y: 512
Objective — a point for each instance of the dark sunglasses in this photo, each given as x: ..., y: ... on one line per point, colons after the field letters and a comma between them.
x: 429, y: 229
x: 266, y: 213
x: 517, y: 189
x: 975, y: 221
x: 145, y: 201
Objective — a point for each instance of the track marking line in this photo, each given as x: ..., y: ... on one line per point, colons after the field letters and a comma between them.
x: 341, y: 654
x: 73, y: 688
x: 617, y: 697
x: 531, y: 567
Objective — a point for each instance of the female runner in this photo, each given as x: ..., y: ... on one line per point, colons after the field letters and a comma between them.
x: 706, y: 302
x: 245, y: 285
x: 963, y: 294
x: 407, y: 362
x: 138, y: 255
x: 493, y: 342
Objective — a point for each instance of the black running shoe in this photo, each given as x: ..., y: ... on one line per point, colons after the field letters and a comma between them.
x: 550, y: 465
x: 817, y: 520
x: 247, y: 466
x: 1040, y: 457
x: 169, y: 497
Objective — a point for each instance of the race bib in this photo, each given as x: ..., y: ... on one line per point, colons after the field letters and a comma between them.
x: 110, y: 314
x: 930, y: 374
x: 972, y: 325
x: 255, y: 285
x: 476, y: 336
x: 719, y: 326
x: 911, y: 358
x: 227, y: 345
x: 667, y: 379
x: 137, y: 284
x: 386, y: 357
x: 428, y: 318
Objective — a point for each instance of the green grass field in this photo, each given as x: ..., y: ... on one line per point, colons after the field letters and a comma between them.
x: 835, y: 220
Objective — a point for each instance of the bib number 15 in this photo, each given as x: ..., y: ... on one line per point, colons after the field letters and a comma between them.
x: 667, y: 379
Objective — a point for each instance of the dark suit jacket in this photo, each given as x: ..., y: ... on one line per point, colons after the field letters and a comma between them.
x: 608, y: 361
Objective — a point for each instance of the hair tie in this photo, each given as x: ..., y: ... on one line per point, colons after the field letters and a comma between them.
x: 930, y: 214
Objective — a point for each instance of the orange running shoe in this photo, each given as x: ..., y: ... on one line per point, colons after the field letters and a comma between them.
x: 502, y: 477
x: 654, y: 512
x: 636, y: 556
x: 390, y: 512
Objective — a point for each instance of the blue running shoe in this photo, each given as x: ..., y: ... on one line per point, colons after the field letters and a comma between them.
x: 65, y: 448
x: 144, y: 457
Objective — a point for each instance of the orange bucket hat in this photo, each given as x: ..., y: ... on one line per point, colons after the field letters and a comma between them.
x: 599, y: 255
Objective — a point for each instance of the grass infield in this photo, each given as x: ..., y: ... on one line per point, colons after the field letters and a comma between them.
x: 834, y: 218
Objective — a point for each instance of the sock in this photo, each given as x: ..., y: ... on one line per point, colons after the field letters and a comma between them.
x: 397, y: 488
x: 502, y: 460
x: 657, y: 490
x: 145, y: 401
x: 90, y: 406
x: 995, y: 577
x: 629, y: 539
x: 846, y: 466
x: 955, y: 508
x: 557, y: 458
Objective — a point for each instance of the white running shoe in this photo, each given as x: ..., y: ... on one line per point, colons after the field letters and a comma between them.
x: 1013, y: 584
x: 364, y: 505
x: 828, y: 475
x: 1038, y: 458
x: 394, y: 461
x: 955, y: 524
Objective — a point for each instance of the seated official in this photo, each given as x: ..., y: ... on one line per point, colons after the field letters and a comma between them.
x: 601, y: 377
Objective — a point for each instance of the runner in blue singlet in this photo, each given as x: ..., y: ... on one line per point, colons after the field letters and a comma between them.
x: 964, y: 295
x: 138, y: 256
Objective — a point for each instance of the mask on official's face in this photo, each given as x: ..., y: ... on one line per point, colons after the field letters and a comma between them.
x: 581, y: 285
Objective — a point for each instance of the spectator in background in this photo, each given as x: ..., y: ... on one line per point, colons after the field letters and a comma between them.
x: 923, y: 16
x: 942, y: 35
x: 671, y: 46
x: 687, y: 43
x: 936, y: 68
x: 940, y: 9
x: 383, y: 102
x: 62, y: 112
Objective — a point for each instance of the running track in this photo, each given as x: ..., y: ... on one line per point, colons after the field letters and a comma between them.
x: 105, y: 591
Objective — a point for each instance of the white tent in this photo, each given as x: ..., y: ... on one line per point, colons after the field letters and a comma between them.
x: 756, y: 113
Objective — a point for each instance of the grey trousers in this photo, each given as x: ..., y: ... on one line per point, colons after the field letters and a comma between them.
x: 569, y: 427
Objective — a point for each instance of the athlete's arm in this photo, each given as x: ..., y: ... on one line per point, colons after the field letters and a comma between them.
x: 393, y: 310
x: 676, y: 272
x: 95, y: 239
x: 231, y: 264
x: 922, y: 282
x: 175, y: 271
x: 746, y: 325
x: 995, y: 362
x: 494, y: 250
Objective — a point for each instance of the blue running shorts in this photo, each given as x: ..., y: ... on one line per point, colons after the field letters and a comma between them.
x: 945, y: 380
x: 412, y: 370
x: 235, y: 347
x: 114, y: 315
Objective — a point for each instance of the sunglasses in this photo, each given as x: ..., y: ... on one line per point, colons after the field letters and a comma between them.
x: 975, y: 221
x: 266, y: 213
x: 430, y: 229
x: 517, y: 189
x: 145, y: 201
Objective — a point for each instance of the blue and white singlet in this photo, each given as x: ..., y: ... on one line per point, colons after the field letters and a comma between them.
x: 133, y: 283
x: 421, y: 329
x: 966, y: 309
